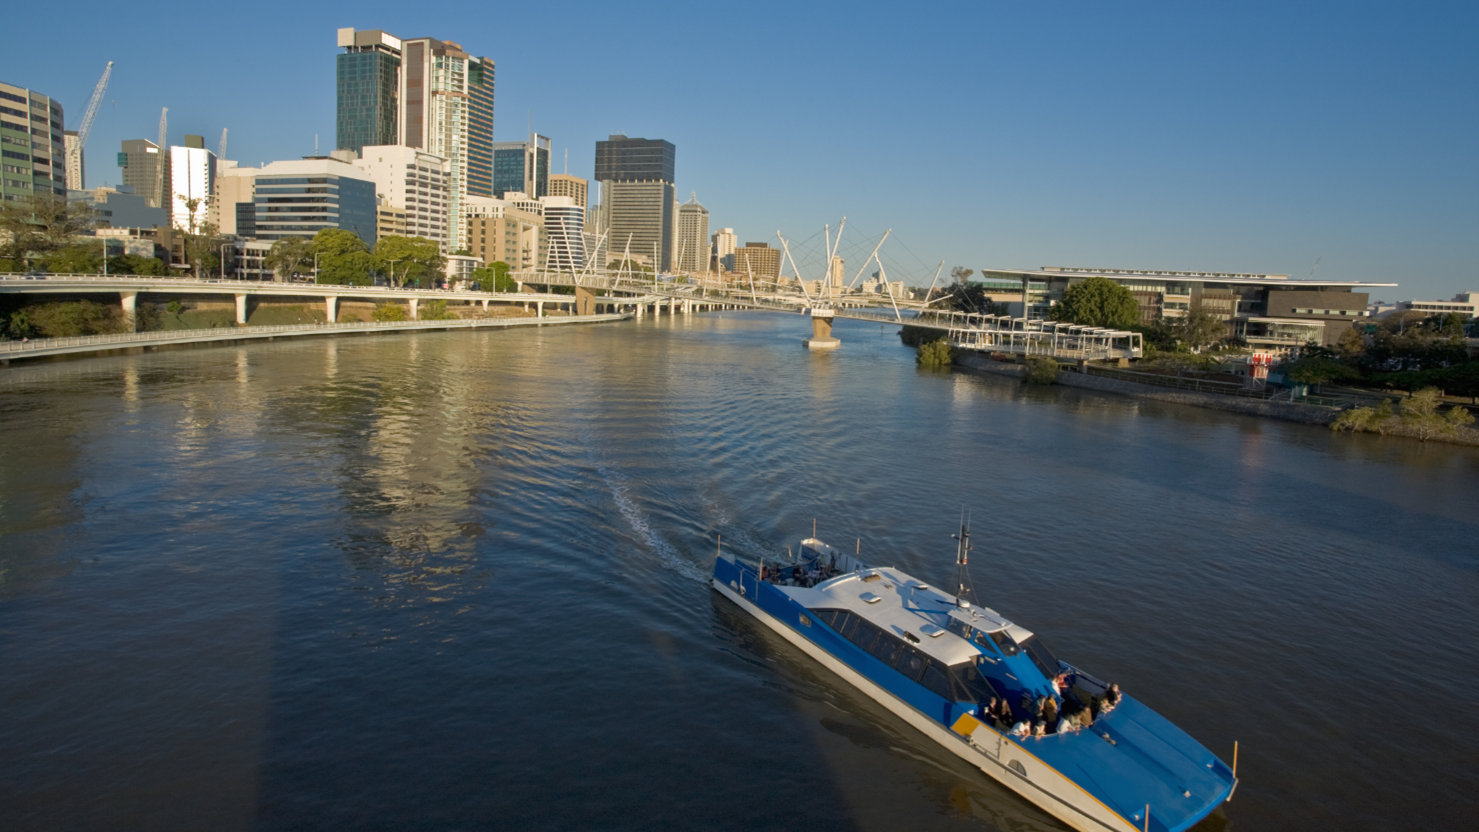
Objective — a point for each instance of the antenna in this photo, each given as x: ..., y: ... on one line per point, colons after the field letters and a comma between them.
x: 962, y: 557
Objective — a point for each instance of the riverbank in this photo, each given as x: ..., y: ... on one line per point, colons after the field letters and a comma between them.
x: 50, y: 347
x: 1310, y: 414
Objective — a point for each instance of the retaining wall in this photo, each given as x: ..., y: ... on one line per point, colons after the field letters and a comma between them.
x: 1307, y: 413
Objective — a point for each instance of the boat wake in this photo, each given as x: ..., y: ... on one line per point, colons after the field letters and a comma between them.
x: 620, y: 486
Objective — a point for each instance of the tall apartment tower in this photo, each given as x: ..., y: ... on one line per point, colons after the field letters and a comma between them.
x: 636, y: 177
x: 75, y: 164
x: 414, y: 183
x: 693, y: 236
x: 367, y: 75
x: 192, y: 176
x: 140, y: 159
x: 35, y: 147
x: 563, y: 184
x: 522, y: 166
x: 445, y: 100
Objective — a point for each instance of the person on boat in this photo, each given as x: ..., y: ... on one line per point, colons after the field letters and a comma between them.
x: 986, y: 711
x: 1060, y: 684
x: 1111, y: 698
x: 1049, y: 710
x: 1003, y: 715
x: 1039, y: 730
x: 1021, y: 729
x: 1067, y: 725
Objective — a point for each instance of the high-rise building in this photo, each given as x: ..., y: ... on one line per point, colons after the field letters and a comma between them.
x: 445, y: 98
x: 140, y: 159
x: 299, y: 198
x: 835, y: 273
x: 637, y: 200
x: 366, y: 77
x: 75, y: 168
x: 192, y: 180
x: 415, y: 182
x: 563, y: 184
x: 34, y: 149
x: 480, y: 130
x: 522, y: 166
x: 725, y: 242
x: 758, y: 259
x: 622, y: 159
x: 639, y: 219
x: 564, y: 227
x: 693, y: 236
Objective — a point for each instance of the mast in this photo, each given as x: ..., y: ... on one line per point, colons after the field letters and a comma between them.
x: 962, y: 557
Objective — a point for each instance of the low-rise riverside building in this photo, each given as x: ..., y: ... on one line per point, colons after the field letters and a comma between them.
x: 1463, y: 303
x: 119, y: 207
x: 299, y: 198
x: 1268, y: 311
x: 414, y: 182
x: 499, y: 230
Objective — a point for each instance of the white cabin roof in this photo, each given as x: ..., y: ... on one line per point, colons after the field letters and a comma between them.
x: 904, y: 605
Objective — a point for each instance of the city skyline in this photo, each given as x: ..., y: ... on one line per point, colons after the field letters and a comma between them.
x: 987, y: 137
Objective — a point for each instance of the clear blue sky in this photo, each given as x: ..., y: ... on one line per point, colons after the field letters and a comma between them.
x: 1235, y: 136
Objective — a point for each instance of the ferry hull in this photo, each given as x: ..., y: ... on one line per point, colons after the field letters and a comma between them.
x: 995, y: 755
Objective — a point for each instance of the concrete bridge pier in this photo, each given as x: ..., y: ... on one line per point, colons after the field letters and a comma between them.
x: 130, y: 302
x: 485, y: 306
x: 331, y: 308
x: 821, y: 331
x: 241, y: 308
x: 539, y: 309
x: 414, y: 311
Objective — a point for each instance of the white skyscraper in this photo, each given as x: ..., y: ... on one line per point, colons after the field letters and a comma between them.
x: 192, y: 176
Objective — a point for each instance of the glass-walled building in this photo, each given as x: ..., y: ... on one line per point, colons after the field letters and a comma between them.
x: 366, y: 75
x: 301, y: 198
x: 522, y: 166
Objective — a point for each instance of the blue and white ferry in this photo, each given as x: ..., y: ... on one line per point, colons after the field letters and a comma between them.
x: 935, y: 660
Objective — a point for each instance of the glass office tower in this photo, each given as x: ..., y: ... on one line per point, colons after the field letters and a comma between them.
x: 368, y: 72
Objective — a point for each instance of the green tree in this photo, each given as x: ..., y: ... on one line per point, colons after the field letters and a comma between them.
x: 41, y: 223
x: 289, y: 255
x: 79, y: 258
x: 1041, y: 370
x: 411, y: 259
x: 201, y: 238
x: 935, y: 355
x: 388, y: 312
x: 136, y: 264
x: 343, y: 258
x: 1098, y: 302
x: 435, y: 310
x: 1319, y: 371
x: 72, y: 318
x: 1198, y: 329
x: 1419, y: 413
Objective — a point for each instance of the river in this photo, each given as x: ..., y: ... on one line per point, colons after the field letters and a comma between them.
x: 457, y: 581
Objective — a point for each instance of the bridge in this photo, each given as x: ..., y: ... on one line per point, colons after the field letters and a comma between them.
x: 604, y: 292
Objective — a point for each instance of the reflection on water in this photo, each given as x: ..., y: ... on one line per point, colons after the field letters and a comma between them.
x: 457, y: 579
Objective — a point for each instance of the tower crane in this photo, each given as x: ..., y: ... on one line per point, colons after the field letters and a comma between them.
x: 87, y: 119
x: 222, y: 153
x: 161, y: 161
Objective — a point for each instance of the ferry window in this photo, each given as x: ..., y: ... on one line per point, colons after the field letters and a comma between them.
x: 937, y: 680
x: 846, y: 627
x: 910, y: 663
x: 887, y: 649
x: 828, y: 617
x: 975, y: 686
x: 958, y: 627
x: 1041, y: 656
x: 865, y: 634
x: 1004, y: 643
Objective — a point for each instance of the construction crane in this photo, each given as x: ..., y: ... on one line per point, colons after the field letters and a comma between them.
x: 160, y: 162
x: 75, y: 162
x: 222, y: 153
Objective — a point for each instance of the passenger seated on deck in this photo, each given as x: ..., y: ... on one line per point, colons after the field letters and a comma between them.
x: 1067, y: 725
x: 1111, y: 698
x: 1039, y: 730
x: 1021, y: 729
